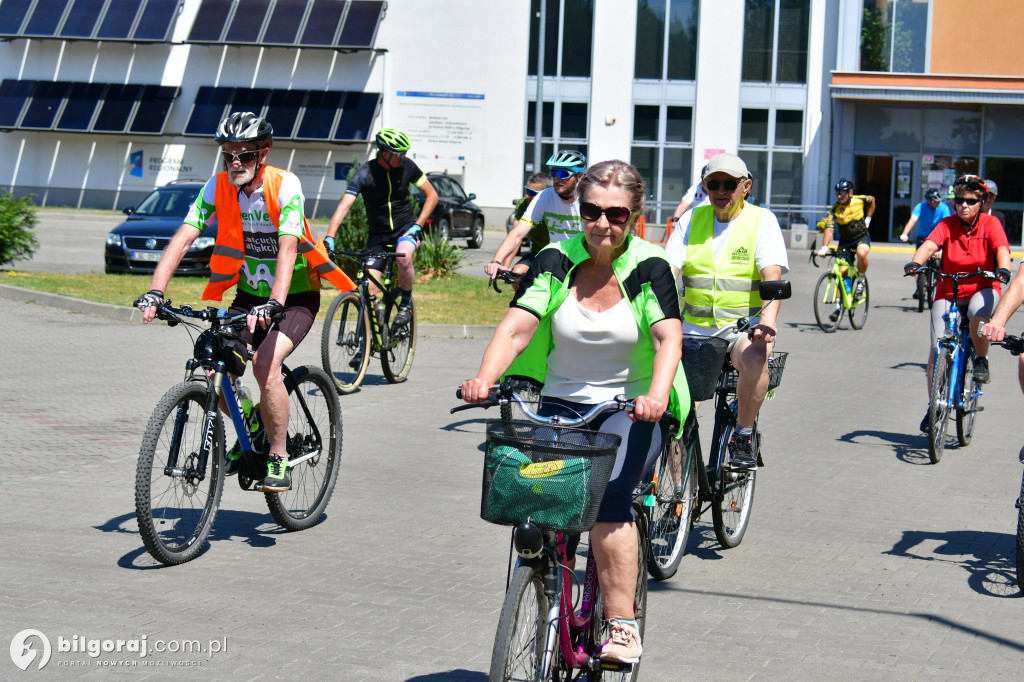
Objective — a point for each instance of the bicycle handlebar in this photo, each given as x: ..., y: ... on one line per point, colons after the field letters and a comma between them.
x: 506, y: 276
x: 503, y: 394
x: 1014, y: 344
x: 219, y: 316
x: 955, y: 276
x: 366, y: 253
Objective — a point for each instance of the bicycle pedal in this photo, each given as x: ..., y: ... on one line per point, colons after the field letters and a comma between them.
x: 614, y: 666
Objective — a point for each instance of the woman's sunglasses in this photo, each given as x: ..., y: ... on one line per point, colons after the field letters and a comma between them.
x: 729, y: 185
x: 242, y: 157
x: 966, y: 200
x: 616, y: 215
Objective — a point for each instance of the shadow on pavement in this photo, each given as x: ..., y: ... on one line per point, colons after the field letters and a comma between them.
x: 911, y: 448
x: 988, y: 557
x: 460, y: 675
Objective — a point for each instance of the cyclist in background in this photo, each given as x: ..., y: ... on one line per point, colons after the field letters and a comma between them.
x: 537, y: 183
x: 694, y: 197
x: 384, y: 184
x: 993, y: 192
x: 852, y: 215
x: 969, y: 240
x: 552, y: 216
x: 929, y: 213
x: 264, y: 244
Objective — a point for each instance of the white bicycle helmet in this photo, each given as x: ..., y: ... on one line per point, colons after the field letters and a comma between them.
x: 245, y: 126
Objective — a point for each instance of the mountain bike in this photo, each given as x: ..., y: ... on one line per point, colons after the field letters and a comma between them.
x: 180, y: 474
x: 547, y: 478
x: 953, y: 388
x: 359, y: 324
x: 836, y: 292
x: 694, y: 486
x: 1015, y: 344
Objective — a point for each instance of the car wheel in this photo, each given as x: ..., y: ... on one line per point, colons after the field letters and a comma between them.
x: 444, y: 229
x: 476, y: 236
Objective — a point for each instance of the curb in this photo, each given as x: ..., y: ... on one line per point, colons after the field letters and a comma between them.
x: 129, y: 314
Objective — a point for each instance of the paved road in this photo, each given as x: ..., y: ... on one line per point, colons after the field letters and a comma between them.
x: 862, y: 561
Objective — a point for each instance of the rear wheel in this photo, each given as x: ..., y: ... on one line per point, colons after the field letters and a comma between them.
x: 734, y: 496
x: 343, y: 342
x: 827, y: 307
x: 476, y: 235
x: 314, y: 444
x: 938, y: 405
x: 1020, y: 538
x: 399, y: 345
x: 968, y: 403
x: 861, y: 302
x: 675, y: 491
x: 519, y: 643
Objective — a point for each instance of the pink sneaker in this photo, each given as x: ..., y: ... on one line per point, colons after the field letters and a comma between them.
x: 624, y: 644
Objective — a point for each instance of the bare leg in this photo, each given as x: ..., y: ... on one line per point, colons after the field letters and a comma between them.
x: 751, y: 359
x: 274, y: 403
x: 615, y: 552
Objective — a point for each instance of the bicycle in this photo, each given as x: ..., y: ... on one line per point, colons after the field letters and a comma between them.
x: 836, y: 292
x: 953, y: 386
x: 1015, y: 344
x: 358, y: 325
x: 926, y: 283
x: 697, y: 486
x: 180, y: 474
x: 541, y: 633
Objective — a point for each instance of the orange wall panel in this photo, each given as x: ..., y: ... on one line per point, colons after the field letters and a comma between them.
x: 977, y: 37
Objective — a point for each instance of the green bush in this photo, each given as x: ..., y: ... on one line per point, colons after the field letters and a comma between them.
x: 436, y: 257
x: 17, y: 217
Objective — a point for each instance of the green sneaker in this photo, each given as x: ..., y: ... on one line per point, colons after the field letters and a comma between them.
x: 233, y: 459
x: 278, y: 479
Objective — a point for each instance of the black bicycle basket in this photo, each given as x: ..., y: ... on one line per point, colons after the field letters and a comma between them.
x: 554, y: 476
x: 702, y: 361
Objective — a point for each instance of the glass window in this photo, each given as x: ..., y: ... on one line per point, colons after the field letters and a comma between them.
x: 889, y: 129
x: 283, y: 110
x: 208, y: 110
x: 441, y: 185
x: 45, y: 102
x: 116, y: 107
x: 754, y: 127
x: 548, y: 123
x: 679, y: 125
x: 250, y: 99
x: 952, y: 131
x: 156, y: 19
x: 45, y: 18
x: 650, y: 39
x: 550, y: 37
x: 318, y: 119
x: 893, y: 36
x: 1004, y: 129
x: 361, y: 24
x: 789, y: 128
x: 675, y: 177
x: 457, y: 190
x: 12, y: 15
x: 323, y: 22
x: 645, y: 123
x: 154, y: 104
x: 80, y: 106
x: 682, y: 39
x: 82, y: 19
x: 574, y: 120
x: 758, y: 40
x: 794, y: 30
x: 757, y: 166
x: 119, y: 19
x: 12, y: 100
x: 577, y: 43
x: 357, y: 116
x: 645, y: 159
x: 283, y: 26
x: 546, y: 150
x: 248, y: 22
x: 787, y: 177
x: 210, y: 20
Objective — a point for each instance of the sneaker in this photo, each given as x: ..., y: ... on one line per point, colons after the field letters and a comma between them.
x: 233, y: 459
x: 915, y: 295
x: 981, y: 370
x: 624, y: 644
x: 404, y: 314
x: 357, y: 361
x: 741, y: 452
x: 835, y: 314
x: 858, y: 288
x: 925, y: 422
x: 278, y: 479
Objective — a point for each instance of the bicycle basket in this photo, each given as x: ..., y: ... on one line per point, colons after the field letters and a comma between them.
x: 702, y: 361
x: 776, y: 363
x: 553, y: 476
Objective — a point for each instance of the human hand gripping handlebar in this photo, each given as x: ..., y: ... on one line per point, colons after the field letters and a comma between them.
x: 503, y: 395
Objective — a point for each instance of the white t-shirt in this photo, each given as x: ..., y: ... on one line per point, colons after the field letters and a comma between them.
x: 561, y: 217
x: 696, y: 196
x: 771, y: 249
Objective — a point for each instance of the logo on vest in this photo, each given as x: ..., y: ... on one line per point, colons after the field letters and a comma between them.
x: 741, y: 255
x: 256, y: 216
x: 262, y: 274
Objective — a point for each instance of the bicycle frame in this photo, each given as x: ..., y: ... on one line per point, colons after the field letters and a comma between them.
x: 958, y: 340
x: 364, y: 278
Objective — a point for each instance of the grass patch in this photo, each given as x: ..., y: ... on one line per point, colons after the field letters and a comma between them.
x: 462, y: 299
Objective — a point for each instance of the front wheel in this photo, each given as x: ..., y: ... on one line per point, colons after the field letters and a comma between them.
x: 675, y: 492
x: 314, y: 449
x: 938, y: 404
x: 178, y: 481
x: 967, y: 409
x: 827, y: 302
x: 343, y: 342
x: 400, y: 345
x: 922, y: 293
x: 519, y: 643
x: 476, y: 236
x: 861, y: 303
x: 734, y: 496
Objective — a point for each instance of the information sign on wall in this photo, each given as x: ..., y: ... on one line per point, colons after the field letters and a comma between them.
x: 443, y: 127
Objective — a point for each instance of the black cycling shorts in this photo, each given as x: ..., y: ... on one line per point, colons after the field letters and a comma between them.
x: 299, y: 312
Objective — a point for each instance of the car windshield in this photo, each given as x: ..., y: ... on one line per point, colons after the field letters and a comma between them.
x: 168, y: 202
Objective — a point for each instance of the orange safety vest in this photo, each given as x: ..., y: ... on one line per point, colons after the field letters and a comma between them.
x: 229, y: 247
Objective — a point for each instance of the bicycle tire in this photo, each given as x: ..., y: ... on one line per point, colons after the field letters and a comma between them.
x: 826, y: 300
x: 175, y: 514
x: 312, y: 479
x: 529, y: 391
x: 1020, y: 537
x: 346, y: 329
x: 399, y: 346
x: 966, y: 413
x: 861, y: 304
x: 930, y: 284
x: 938, y: 405
x: 519, y: 640
x: 922, y: 292
x: 734, y: 496
x: 672, y: 514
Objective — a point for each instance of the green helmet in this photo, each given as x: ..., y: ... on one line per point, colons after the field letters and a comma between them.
x: 393, y: 140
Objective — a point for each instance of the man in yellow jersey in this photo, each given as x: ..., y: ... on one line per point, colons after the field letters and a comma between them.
x: 852, y: 215
x: 724, y: 250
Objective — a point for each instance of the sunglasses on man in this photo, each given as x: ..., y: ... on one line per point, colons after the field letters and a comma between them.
x: 529, y: 191
x: 729, y: 185
x: 616, y: 215
x: 561, y: 173
x: 242, y: 157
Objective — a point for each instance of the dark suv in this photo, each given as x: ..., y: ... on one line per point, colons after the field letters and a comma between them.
x: 455, y: 214
x: 137, y: 244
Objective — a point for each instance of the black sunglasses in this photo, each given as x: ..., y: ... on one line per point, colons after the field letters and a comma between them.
x: 616, y: 215
x: 966, y: 200
x: 729, y: 185
x: 242, y: 157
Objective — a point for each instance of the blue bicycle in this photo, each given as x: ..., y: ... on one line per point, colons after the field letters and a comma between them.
x: 953, y: 388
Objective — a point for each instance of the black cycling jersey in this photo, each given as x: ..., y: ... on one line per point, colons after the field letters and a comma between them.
x: 386, y: 195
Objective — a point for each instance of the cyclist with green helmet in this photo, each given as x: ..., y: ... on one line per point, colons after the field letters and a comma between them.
x: 552, y: 216
x: 384, y: 185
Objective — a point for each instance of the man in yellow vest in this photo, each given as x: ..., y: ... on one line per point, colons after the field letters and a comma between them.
x: 265, y: 246
x: 724, y: 250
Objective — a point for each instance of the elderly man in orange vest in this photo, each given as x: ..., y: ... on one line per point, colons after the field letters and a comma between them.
x: 265, y: 246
